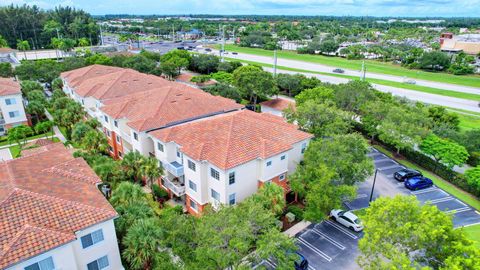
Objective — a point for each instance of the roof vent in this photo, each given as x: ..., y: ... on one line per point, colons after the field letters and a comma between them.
x: 173, y: 101
x: 187, y: 98
x: 124, y: 81
x: 180, y: 94
x: 150, y: 83
x: 135, y: 80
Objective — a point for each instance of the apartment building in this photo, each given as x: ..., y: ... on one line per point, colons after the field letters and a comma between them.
x: 179, y: 125
x: 52, y: 215
x: 224, y: 159
x: 12, y: 112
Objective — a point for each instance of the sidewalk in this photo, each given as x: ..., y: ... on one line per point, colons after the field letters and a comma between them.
x: 297, y: 228
x: 56, y: 130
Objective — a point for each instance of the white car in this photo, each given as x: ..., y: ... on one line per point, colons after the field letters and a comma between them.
x: 347, y: 219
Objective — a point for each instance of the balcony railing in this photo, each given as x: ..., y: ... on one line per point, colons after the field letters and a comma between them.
x: 174, y: 168
x: 2, y: 121
x: 175, y: 186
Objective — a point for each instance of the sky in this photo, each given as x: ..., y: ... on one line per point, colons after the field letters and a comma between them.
x: 379, y: 8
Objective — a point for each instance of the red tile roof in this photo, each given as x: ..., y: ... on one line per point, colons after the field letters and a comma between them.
x: 172, y: 103
x: 8, y: 86
x: 45, y: 197
x: 278, y: 104
x: 231, y: 139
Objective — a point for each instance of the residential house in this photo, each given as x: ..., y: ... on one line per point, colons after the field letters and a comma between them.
x: 53, y: 216
x: 12, y: 112
x: 276, y: 106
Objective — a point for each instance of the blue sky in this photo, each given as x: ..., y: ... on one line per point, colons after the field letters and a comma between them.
x: 395, y: 8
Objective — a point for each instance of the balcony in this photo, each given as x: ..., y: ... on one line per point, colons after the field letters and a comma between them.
x: 2, y: 121
x: 175, y: 186
x: 174, y: 168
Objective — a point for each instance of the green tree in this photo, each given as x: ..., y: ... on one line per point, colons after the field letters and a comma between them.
x: 444, y: 151
x: 319, y: 94
x: 224, y: 90
x: 400, y: 233
x: 67, y: 113
x: 133, y: 164
x: 320, y: 119
x: 254, y: 83
x: 346, y: 155
x: 127, y: 193
x: 6, y: 70
x: 290, y: 84
x: 57, y: 84
x: 83, y: 42
x: 434, y: 61
x: 129, y: 214
x: 151, y: 170
x: 276, y: 245
x: 352, y: 95
x: 29, y: 86
x: 36, y: 108
x: 204, y: 63
x: 99, y: 59
x: 44, y: 127
x: 24, y: 46
x: 19, y: 134
x: 473, y: 177
x: 372, y: 114
x: 94, y: 142
x: 440, y: 117
x: 328, y: 46
x: 271, y: 197
x: 3, y: 42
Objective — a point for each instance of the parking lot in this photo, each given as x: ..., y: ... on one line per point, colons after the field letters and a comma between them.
x: 386, y: 185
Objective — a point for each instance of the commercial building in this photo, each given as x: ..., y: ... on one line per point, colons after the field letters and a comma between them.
x: 181, y: 125
x: 52, y: 215
x: 468, y: 43
x: 12, y: 112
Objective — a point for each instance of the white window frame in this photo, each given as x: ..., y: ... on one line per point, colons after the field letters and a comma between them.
x: 97, y: 260
x: 190, y: 184
x: 283, y: 157
x: 160, y: 147
x: 15, y: 114
x: 97, y: 233
x: 10, y: 101
x: 212, y: 191
x: 105, y: 118
x: 230, y: 176
x: 135, y: 136
x: 230, y: 199
x: 191, y: 165
x: 41, y: 261
x: 269, y: 163
x: 214, y: 174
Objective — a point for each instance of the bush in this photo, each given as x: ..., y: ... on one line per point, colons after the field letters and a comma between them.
x: 474, y: 159
x: 296, y: 210
x: 200, y: 78
x: 159, y: 192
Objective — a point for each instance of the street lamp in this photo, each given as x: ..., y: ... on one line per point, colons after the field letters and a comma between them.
x: 373, y: 186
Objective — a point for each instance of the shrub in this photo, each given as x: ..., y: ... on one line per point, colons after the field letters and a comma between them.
x: 200, y: 78
x: 296, y: 210
x: 159, y: 192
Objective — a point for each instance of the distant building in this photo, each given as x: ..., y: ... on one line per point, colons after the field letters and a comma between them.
x: 469, y: 44
x: 12, y: 112
x: 8, y: 55
x: 52, y: 215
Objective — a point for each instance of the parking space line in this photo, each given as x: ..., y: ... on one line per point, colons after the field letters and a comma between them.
x: 272, y: 264
x: 444, y: 199
x: 315, y: 249
x: 329, y: 239
x: 388, y: 167
x: 311, y: 267
x: 458, y: 210
x: 336, y: 226
x: 424, y: 190
x: 361, y: 195
x: 460, y: 202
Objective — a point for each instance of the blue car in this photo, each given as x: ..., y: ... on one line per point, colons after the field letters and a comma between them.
x: 302, y: 263
x: 418, y: 182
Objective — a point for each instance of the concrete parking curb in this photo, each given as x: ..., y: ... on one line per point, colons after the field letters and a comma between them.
x: 297, y: 228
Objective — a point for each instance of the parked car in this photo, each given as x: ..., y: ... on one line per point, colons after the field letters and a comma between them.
x: 234, y: 53
x: 208, y: 50
x: 347, y: 219
x: 418, y: 182
x: 302, y: 263
x: 404, y: 174
x: 338, y: 70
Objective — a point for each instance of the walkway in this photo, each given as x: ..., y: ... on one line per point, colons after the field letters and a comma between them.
x: 56, y: 130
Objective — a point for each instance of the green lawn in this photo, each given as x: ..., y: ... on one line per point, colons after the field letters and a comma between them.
x: 413, y: 87
x: 372, y: 66
x: 473, y: 233
x: 468, y: 122
x: 439, y: 182
x: 15, y: 150
x: 6, y: 142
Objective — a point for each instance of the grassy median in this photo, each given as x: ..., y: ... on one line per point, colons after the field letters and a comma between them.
x: 372, y: 66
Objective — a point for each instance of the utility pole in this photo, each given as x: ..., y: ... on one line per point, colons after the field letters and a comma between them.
x: 173, y: 32
x: 275, y: 62
x: 222, y: 53
x: 101, y: 35
x: 363, y: 71
x: 58, y: 34
x: 373, y: 186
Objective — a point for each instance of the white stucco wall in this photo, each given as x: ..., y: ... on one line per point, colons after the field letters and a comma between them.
x: 18, y: 106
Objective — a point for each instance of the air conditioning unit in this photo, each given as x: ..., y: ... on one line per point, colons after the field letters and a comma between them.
x: 216, y: 205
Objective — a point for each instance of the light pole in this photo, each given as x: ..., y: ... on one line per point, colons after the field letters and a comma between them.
x: 373, y: 186
x: 222, y: 53
x: 275, y: 62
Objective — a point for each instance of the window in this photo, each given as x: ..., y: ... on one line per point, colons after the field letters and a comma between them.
x: 106, y: 118
x: 83, y: 102
x: 281, y: 177
x: 231, y: 178
x: 304, y: 146
x: 191, y: 165
x: 214, y: 173
x: 13, y: 114
x: 115, y: 122
x: 92, y: 238
x: 108, y: 133
x: 215, y: 195
x: 179, y: 154
x: 135, y: 136
x: 193, y: 204
x: 160, y: 147
x: 10, y: 101
x: 110, y: 148
x: 192, y: 185
x: 45, y: 264
x: 118, y: 138
x: 98, y: 264
x: 283, y: 157
x: 120, y: 154
x: 231, y: 199
x: 269, y: 163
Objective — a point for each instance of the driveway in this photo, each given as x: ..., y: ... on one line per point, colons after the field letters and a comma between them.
x: 386, y: 185
x: 5, y: 154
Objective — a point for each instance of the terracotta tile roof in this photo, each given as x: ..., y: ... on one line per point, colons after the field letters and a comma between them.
x: 8, y: 86
x: 45, y: 197
x: 231, y: 139
x: 7, y: 50
x: 172, y: 103
x: 278, y: 104
x: 184, y: 77
x: 465, y: 46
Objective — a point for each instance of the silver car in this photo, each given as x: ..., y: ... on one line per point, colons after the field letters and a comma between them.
x: 347, y: 219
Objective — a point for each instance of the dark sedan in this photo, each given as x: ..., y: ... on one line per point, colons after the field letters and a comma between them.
x: 404, y: 174
x: 418, y: 182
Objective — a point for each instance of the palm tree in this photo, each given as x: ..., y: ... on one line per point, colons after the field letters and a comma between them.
x: 132, y: 164
x: 127, y: 193
x: 151, y: 170
x: 141, y: 244
x: 131, y: 213
x: 24, y: 46
x: 94, y: 142
x: 272, y: 197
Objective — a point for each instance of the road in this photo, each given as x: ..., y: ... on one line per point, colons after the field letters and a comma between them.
x: 456, y: 103
x: 356, y: 73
